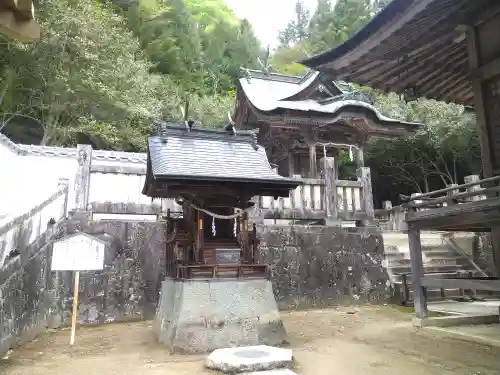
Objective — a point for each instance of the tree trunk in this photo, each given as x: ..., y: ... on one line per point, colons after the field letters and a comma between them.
x: 46, y: 139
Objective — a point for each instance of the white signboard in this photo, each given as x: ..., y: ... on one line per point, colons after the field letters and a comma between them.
x: 78, y: 252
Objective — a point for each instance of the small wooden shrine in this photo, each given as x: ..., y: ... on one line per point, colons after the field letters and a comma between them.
x: 213, y: 175
x: 303, y: 119
x: 304, y: 123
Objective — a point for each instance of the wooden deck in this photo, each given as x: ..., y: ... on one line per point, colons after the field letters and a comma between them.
x: 222, y: 271
x: 472, y: 207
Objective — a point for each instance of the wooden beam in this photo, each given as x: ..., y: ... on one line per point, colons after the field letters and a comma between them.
x: 487, y: 71
x: 119, y: 169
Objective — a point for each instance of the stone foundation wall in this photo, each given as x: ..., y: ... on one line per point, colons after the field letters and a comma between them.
x: 32, y: 297
x: 308, y: 266
x: 317, y: 266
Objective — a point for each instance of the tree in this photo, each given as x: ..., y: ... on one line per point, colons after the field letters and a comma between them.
x: 284, y: 59
x: 332, y: 24
x: 297, y: 30
x: 86, y: 67
x: 441, y: 153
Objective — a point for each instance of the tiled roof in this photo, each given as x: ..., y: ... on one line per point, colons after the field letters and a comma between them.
x: 97, y: 155
x: 268, y: 95
x: 210, y: 155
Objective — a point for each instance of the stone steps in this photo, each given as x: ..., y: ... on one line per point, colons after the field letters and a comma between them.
x: 438, y: 257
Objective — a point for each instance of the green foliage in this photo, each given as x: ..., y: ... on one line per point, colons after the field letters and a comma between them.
x: 198, y: 42
x: 296, y: 30
x: 442, y: 152
x: 86, y: 67
x: 284, y: 59
x: 104, y: 73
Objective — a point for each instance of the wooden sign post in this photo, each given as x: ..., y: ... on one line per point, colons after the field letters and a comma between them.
x: 77, y: 252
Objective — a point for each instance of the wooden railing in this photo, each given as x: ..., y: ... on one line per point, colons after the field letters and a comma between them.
x: 351, y: 200
x: 306, y: 197
x: 391, y: 218
x: 17, y: 233
x: 471, y: 207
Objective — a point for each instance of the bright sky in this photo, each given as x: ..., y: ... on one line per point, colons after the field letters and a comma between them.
x: 268, y: 16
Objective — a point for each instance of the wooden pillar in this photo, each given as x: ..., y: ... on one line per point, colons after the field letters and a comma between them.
x: 330, y: 173
x: 82, y: 178
x: 291, y: 164
x: 481, y: 88
x: 364, y: 176
x: 312, y: 161
x: 479, y: 105
x: 360, y: 157
x: 64, y: 182
x: 244, y: 236
x: 200, y: 236
x: 417, y: 272
x: 475, y: 188
x: 451, y: 193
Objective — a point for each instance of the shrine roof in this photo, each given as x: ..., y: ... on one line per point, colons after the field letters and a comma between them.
x: 266, y: 93
x: 178, y: 153
x: 413, y: 46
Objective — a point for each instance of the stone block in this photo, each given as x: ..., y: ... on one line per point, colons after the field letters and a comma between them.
x: 198, y: 316
x: 248, y: 359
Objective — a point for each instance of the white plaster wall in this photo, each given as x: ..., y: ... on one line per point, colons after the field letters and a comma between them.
x: 8, y: 170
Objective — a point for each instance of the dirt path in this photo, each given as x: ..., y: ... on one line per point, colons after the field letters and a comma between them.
x: 370, y: 342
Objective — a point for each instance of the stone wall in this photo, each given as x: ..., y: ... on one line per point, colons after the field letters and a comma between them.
x: 33, y: 298
x: 317, y: 266
x: 308, y: 266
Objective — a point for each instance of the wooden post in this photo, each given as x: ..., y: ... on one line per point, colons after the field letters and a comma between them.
x: 387, y: 205
x: 364, y: 176
x: 65, y: 182
x: 200, y: 236
x: 330, y: 172
x: 291, y: 164
x: 484, y: 124
x: 82, y: 178
x: 417, y: 272
x: 312, y: 160
x: 360, y: 157
x: 475, y: 188
x: 451, y: 193
x: 244, y: 232
x: 75, y: 307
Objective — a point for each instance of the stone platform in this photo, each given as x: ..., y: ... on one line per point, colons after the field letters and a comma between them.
x: 198, y: 316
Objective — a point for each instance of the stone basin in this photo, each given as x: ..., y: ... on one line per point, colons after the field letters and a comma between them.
x: 249, y: 359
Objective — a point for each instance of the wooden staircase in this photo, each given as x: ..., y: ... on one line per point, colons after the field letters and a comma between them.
x: 442, y: 257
